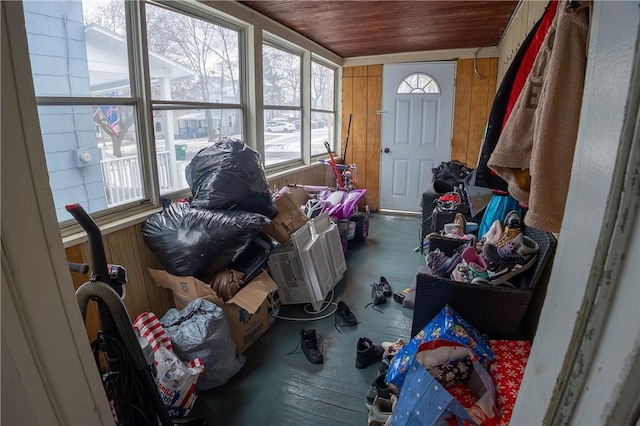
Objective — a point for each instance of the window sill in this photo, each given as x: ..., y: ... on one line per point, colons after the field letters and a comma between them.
x: 110, y: 224
x: 75, y: 235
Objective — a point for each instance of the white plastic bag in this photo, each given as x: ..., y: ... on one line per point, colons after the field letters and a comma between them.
x: 176, y: 380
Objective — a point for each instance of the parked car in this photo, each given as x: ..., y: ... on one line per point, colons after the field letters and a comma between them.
x: 279, y: 127
x: 314, y: 124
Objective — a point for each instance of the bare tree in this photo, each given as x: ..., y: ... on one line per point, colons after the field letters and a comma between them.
x: 126, y: 119
x: 208, y: 49
x: 281, y: 77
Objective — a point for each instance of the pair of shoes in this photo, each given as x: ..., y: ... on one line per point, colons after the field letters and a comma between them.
x: 346, y: 316
x: 386, y: 288
x: 377, y: 294
x: 440, y: 264
x: 378, y: 388
x: 511, y: 259
x: 367, y: 353
x: 309, y: 345
x: 381, y: 411
x: 472, y: 268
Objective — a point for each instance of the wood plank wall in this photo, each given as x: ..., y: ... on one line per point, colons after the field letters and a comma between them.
x: 126, y: 247
x: 362, y: 97
x: 472, y: 105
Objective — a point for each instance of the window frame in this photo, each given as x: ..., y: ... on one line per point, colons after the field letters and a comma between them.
x: 336, y: 138
x: 252, y: 34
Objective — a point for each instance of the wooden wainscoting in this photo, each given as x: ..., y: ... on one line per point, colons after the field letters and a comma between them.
x: 316, y: 174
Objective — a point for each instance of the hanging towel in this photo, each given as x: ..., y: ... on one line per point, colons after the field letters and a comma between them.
x: 535, y: 151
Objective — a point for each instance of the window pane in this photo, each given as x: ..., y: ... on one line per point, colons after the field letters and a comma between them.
x: 77, y: 48
x: 322, y: 129
x: 281, y: 77
x: 191, y: 59
x: 92, y: 156
x: 185, y: 132
x: 322, y: 79
x: 418, y: 83
x: 282, y: 140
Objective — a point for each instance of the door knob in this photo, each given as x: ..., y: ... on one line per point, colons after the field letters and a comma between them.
x: 386, y: 150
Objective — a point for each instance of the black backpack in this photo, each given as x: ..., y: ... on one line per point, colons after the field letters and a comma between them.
x: 449, y: 175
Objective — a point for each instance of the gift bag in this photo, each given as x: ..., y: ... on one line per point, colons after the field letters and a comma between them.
x: 176, y: 380
x: 446, y: 325
x: 425, y: 401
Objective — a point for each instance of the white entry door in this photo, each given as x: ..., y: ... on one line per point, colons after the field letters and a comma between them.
x: 417, y: 104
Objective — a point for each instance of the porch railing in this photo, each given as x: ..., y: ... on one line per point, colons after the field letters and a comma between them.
x: 123, y: 181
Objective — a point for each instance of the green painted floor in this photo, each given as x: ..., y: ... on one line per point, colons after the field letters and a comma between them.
x: 274, y: 388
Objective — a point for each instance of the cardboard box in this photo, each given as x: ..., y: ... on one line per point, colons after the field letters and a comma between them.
x: 246, y: 312
x: 289, y: 219
x: 299, y: 195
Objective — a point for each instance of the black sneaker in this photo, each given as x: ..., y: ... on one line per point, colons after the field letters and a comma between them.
x: 377, y: 294
x: 309, y: 344
x: 513, y: 220
x: 386, y: 288
x: 367, y: 353
x: 344, y: 314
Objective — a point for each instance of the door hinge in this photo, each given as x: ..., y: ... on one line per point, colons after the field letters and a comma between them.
x: 381, y: 111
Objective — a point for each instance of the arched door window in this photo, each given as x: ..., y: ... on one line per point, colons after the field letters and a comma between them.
x: 418, y: 83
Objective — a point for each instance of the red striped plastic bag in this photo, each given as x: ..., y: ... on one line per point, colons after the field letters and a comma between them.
x: 176, y: 379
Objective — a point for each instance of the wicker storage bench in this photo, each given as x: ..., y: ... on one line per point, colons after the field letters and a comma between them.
x: 493, y: 310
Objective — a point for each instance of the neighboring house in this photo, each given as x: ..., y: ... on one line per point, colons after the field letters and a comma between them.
x: 88, y: 61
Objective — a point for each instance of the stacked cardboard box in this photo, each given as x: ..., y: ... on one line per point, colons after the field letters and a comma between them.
x: 246, y: 312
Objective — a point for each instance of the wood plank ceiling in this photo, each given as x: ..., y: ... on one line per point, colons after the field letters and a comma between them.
x: 363, y: 28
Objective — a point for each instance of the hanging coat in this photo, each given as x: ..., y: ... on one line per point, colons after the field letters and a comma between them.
x: 512, y: 83
x: 534, y: 154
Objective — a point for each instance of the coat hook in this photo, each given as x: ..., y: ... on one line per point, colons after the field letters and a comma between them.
x: 475, y: 65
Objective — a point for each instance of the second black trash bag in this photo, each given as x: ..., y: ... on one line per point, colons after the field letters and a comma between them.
x: 229, y: 175
x: 197, y: 242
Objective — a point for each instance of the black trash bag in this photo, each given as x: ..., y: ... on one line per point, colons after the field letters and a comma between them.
x: 228, y: 175
x: 197, y: 242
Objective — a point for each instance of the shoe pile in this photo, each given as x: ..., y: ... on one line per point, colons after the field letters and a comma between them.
x: 503, y: 252
x: 512, y: 254
x: 472, y: 268
x: 510, y: 259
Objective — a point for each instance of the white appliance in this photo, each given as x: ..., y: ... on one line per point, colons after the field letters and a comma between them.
x: 308, y: 266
